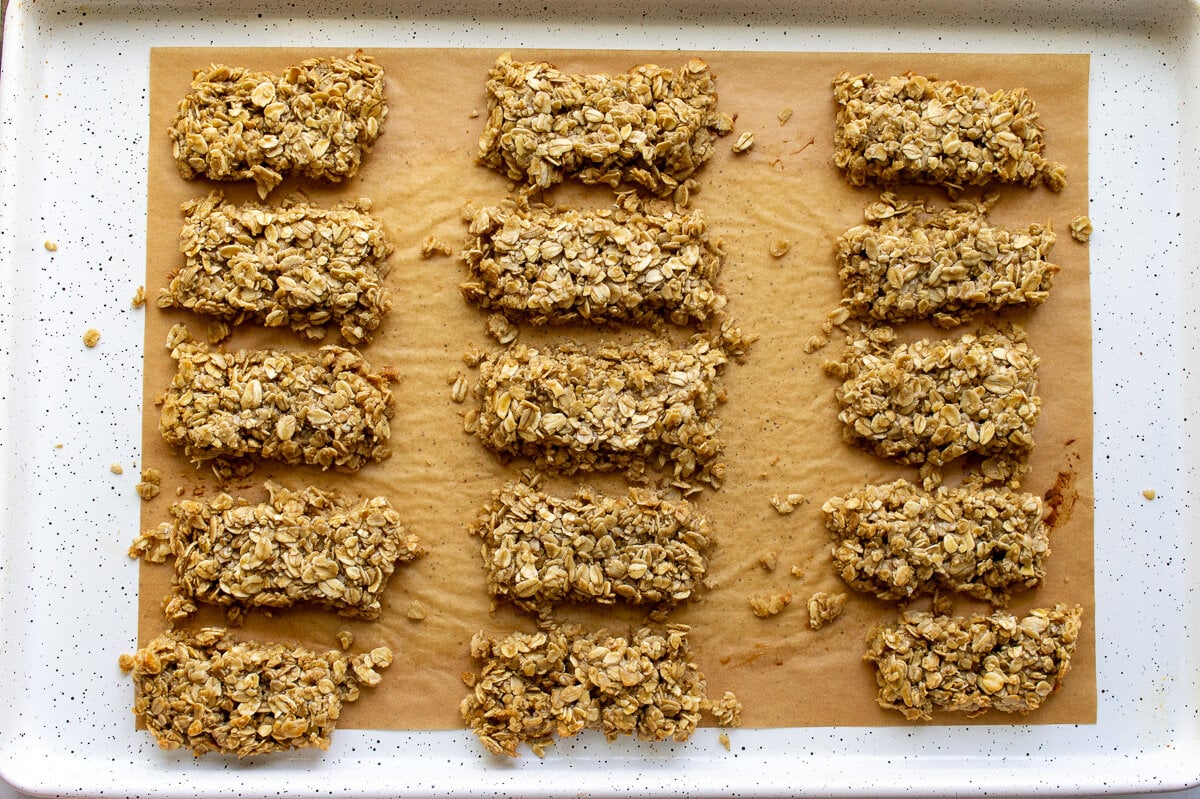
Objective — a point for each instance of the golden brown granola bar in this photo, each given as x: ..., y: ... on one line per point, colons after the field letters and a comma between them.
x: 915, y: 129
x: 947, y: 266
x: 316, y: 119
x: 300, y: 546
x: 324, y: 408
x: 546, y: 265
x: 209, y: 693
x: 898, y: 541
x: 651, y: 126
x: 973, y: 664
x: 295, y: 265
x: 640, y: 548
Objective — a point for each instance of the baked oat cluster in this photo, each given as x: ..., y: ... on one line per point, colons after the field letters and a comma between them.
x: 897, y: 541
x: 300, y: 546
x: 916, y: 129
x: 909, y: 262
x: 638, y: 549
x: 207, y: 692
x: 652, y: 126
x: 324, y: 408
x: 932, y: 402
x: 617, y: 406
x: 545, y: 265
x: 315, y: 119
x: 561, y: 680
x: 973, y: 664
x: 294, y: 265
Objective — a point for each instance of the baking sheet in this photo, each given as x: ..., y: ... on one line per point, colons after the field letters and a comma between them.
x: 780, y: 421
x: 75, y: 111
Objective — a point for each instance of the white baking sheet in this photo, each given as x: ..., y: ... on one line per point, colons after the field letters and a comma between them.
x: 72, y: 154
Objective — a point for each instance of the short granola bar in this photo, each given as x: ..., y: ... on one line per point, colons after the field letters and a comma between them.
x: 325, y: 408
x: 897, y: 541
x: 651, y: 126
x: 974, y: 663
x: 640, y: 548
x: 947, y: 266
x: 915, y: 129
x: 546, y: 265
x: 300, y: 546
x: 295, y: 265
x: 316, y: 119
x: 209, y: 693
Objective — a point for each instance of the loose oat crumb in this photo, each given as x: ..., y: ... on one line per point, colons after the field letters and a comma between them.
x: 744, y: 143
x: 797, y: 571
x: 148, y: 488
x: 58, y: 446
x: 345, y: 639
x: 814, y: 343
x: 784, y: 115
x: 779, y: 247
x: 769, y: 560
x: 51, y: 246
x: 1149, y: 493
x: 785, y: 504
x: 139, y: 297
x: 770, y: 603
x: 432, y: 246
x: 416, y: 611
x: 91, y: 337
x: 472, y: 356
x: 116, y: 468
x: 474, y: 113
x: 824, y: 607
x: 499, y: 328
x: 216, y: 332
x: 1081, y: 228
x: 723, y: 738
x: 458, y: 391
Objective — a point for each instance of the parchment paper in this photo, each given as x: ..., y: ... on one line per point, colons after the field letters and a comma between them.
x: 779, y: 423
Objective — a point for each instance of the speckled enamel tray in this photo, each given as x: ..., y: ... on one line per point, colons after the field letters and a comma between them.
x: 72, y: 146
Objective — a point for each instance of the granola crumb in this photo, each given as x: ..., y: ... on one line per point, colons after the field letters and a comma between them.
x: 787, y: 503
x: 770, y: 603
x: 1081, y: 229
x: 779, y: 247
x: 814, y: 343
x: 416, y: 611
x: 744, y: 143
x: 797, y: 571
x: 149, y: 486
x: 91, y: 337
x: 723, y: 738
x: 458, y: 390
x: 769, y: 560
x: 499, y: 328
x: 345, y: 639
x: 139, y: 297
x: 51, y: 246
x: 784, y: 115
x: 1149, y: 493
x: 824, y: 607
x: 473, y: 356
x: 216, y: 332
x: 432, y: 246
x: 116, y: 468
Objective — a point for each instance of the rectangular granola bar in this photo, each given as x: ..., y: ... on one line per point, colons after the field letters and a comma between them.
x: 931, y: 402
x: 973, y: 664
x: 650, y: 126
x: 324, y: 408
x: 315, y: 119
x: 209, y: 693
x: 916, y: 129
x: 615, y: 407
x: 546, y: 265
x: 908, y: 263
x: 563, y: 680
x: 898, y: 541
x: 300, y: 546
x: 294, y: 265
x: 640, y: 548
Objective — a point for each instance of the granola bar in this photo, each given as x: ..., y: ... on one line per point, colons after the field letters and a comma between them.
x: 640, y: 548
x: 931, y: 402
x: 209, y: 693
x: 316, y: 119
x: 294, y: 265
x: 324, y: 408
x: 652, y: 126
x: 974, y: 663
x: 947, y: 266
x: 300, y: 546
x: 916, y: 129
x: 615, y: 407
x: 546, y: 265
x: 563, y: 680
x: 897, y: 541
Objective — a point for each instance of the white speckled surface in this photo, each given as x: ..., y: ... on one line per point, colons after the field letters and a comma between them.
x: 72, y: 116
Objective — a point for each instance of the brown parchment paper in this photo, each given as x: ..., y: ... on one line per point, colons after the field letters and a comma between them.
x: 779, y: 423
